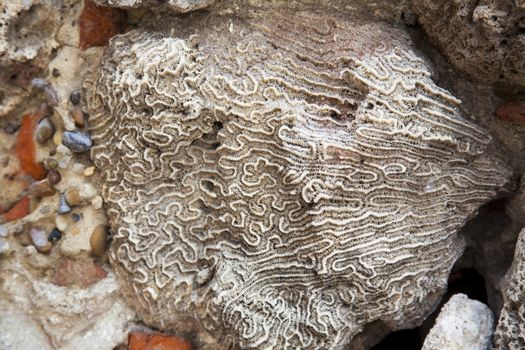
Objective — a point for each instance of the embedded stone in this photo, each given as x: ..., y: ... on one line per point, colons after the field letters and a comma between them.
x: 44, y: 130
x: 77, y: 141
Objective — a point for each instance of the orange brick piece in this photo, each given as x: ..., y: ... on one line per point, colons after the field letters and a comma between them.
x: 25, y: 148
x: 19, y: 210
x: 156, y: 341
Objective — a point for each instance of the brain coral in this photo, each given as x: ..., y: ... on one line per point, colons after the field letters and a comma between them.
x: 283, y: 184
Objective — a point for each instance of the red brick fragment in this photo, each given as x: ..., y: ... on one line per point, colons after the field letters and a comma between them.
x: 98, y: 24
x: 156, y: 341
x: 19, y: 210
x: 25, y: 148
x: 83, y: 272
x: 512, y: 111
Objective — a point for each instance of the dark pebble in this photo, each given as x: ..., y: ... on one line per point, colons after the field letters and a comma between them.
x: 11, y: 128
x: 51, y: 96
x: 39, y: 83
x: 44, y: 130
x: 63, y: 207
x: 46, y: 110
x: 54, y: 177
x: 49, y: 91
x: 55, y: 72
x: 77, y: 141
x: 75, y: 97
x: 76, y: 217
x: 54, y: 235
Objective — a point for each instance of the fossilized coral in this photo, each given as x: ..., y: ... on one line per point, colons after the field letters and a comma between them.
x: 283, y: 183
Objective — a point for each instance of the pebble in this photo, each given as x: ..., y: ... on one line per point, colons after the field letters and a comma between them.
x: 44, y: 130
x: 72, y: 196
x: 88, y: 191
x: 54, y: 235
x: 46, y: 110
x: 49, y: 91
x: 50, y: 163
x: 54, y: 177
x: 77, y: 141
x: 39, y: 240
x: 63, y: 206
x: 61, y: 223
x: 98, y: 240
x: 11, y: 128
x: 96, y: 202
x: 78, y: 117
x: 57, y: 137
x: 42, y: 188
x: 55, y: 72
x: 89, y: 171
x: 74, y: 97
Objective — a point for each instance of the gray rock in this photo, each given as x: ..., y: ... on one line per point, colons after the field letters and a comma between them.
x: 510, y: 331
x: 462, y: 324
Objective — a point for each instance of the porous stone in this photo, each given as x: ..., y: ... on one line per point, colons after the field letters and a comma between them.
x: 283, y: 184
x: 27, y: 41
x: 510, y: 330
x: 482, y: 38
x: 462, y: 324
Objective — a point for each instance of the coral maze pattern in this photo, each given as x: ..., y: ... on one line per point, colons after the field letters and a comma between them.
x: 283, y: 183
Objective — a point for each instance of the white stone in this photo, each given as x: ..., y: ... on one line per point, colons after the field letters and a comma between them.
x: 96, y: 203
x: 89, y: 171
x: 61, y: 222
x: 462, y: 324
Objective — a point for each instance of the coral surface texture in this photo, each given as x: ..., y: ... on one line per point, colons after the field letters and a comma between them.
x: 283, y: 184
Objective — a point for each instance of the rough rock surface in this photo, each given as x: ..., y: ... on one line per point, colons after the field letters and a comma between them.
x: 177, y: 5
x: 485, y: 39
x: 283, y: 183
x: 462, y: 324
x: 510, y: 331
x: 27, y: 38
x: 58, y: 317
